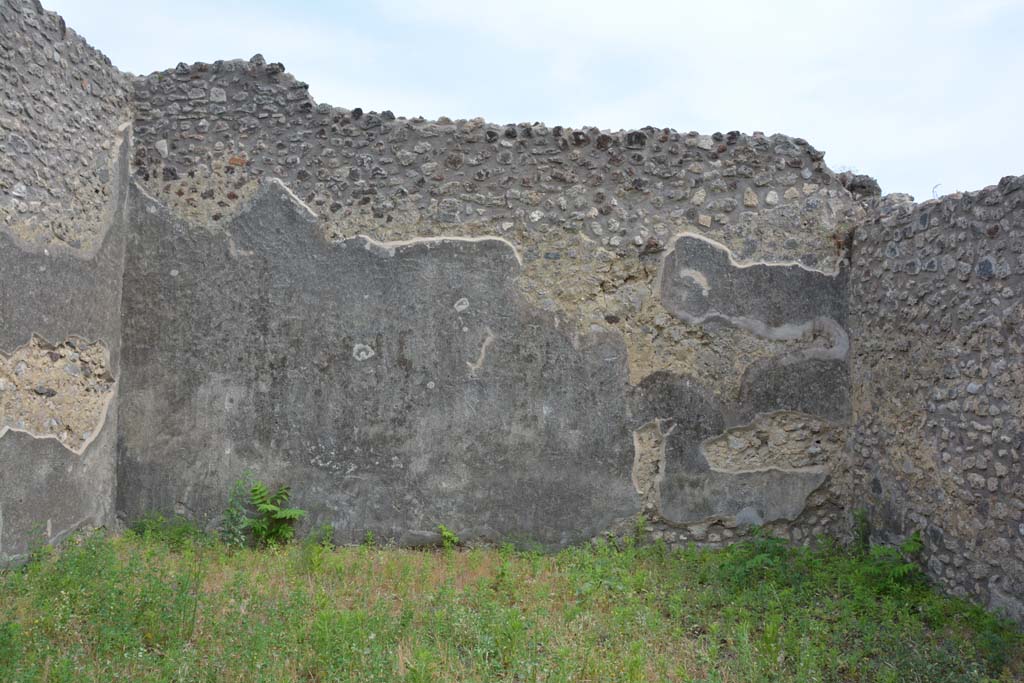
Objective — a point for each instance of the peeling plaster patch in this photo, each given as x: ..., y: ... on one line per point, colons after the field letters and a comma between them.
x: 705, y: 497
x: 717, y: 354
x: 690, y: 489
x: 783, y: 440
x: 56, y: 391
x: 772, y: 300
x: 799, y: 312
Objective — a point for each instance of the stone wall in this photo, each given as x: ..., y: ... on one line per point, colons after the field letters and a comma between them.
x: 938, y: 390
x: 424, y: 322
x: 63, y: 181
x: 524, y: 332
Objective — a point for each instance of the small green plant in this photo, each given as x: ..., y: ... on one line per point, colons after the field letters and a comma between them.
x: 759, y: 558
x: 235, y: 520
x: 177, y: 532
x: 448, y: 538
x: 369, y: 540
x: 896, y: 570
x: 315, y: 548
x: 39, y: 548
x: 274, y: 523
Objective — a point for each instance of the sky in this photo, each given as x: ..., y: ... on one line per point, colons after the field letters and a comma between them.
x: 926, y: 96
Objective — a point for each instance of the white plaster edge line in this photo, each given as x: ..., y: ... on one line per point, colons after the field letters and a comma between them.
x: 810, y: 469
x: 735, y: 263
x: 787, y: 332
x: 145, y: 193
x: 386, y: 245
x: 294, y: 197
x: 390, y: 246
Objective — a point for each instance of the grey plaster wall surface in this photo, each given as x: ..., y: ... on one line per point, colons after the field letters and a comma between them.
x: 938, y: 377
x: 396, y: 387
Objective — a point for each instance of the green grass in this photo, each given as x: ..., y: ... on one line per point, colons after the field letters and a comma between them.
x: 171, y: 604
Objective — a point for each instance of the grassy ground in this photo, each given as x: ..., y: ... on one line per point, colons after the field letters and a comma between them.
x: 173, y: 605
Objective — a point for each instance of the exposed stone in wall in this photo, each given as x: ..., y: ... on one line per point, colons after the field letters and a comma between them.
x: 372, y: 173
x: 938, y: 369
x: 780, y: 440
x: 783, y: 441
x: 693, y: 466
x: 62, y: 109
x: 60, y: 390
x: 591, y: 212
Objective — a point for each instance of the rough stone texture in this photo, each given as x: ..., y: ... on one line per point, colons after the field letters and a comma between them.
x: 60, y: 390
x: 523, y: 332
x: 938, y: 327
x: 781, y: 440
x: 62, y: 105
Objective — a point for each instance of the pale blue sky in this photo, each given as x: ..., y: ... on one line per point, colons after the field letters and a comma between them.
x: 914, y: 93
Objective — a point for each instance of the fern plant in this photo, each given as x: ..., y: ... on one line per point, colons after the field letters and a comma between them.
x: 896, y: 570
x: 274, y: 523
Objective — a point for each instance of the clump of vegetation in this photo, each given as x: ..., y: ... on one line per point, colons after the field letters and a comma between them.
x: 170, y: 603
x: 177, y: 532
x: 257, y: 514
x: 449, y: 540
x: 274, y: 523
